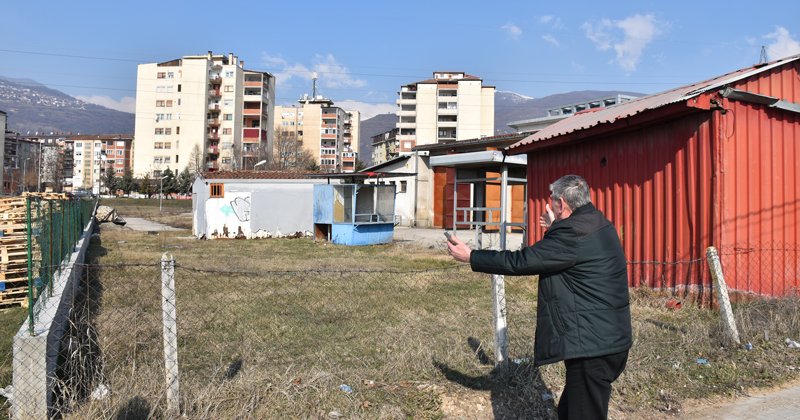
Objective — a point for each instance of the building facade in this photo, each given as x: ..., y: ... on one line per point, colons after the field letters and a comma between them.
x: 384, y: 146
x: 204, y: 111
x: 92, y: 155
x: 329, y: 133
x: 451, y: 106
x: 562, y: 112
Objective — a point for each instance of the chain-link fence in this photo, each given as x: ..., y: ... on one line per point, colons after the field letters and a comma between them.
x: 52, y: 228
x: 771, y: 269
x: 274, y: 344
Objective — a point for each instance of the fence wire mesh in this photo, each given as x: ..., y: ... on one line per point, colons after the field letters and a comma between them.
x: 278, y: 344
x: 771, y: 269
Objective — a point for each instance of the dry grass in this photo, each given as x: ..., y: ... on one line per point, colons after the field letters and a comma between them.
x: 176, y: 213
x: 410, y: 345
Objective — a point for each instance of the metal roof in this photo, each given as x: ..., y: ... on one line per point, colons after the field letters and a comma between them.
x: 608, y: 115
x: 473, y: 142
x: 474, y: 159
x: 271, y: 174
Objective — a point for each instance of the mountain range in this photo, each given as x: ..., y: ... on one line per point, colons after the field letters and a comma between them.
x: 508, y: 107
x: 33, y: 107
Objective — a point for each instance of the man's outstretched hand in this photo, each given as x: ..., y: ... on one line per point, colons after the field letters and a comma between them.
x: 546, y: 219
x: 459, y: 250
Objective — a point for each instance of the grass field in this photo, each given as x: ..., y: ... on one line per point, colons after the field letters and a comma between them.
x: 409, y: 332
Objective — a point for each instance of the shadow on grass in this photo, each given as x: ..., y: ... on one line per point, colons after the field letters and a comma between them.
x: 518, y: 390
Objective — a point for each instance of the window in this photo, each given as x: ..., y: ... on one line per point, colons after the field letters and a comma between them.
x: 158, y: 160
x: 168, y: 131
x: 227, y: 131
x: 228, y: 117
x: 121, y: 143
x: 229, y: 102
x: 159, y: 103
x: 158, y: 145
x: 119, y: 161
x: 169, y: 103
x: 403, y: 186
x: 119, y: 152
x: 78, y: 153
x: 159, y: 131
x: 161, y: 75
x: 159, y: 117
x: 228, y: 74
x: 78, y: 144
x: 217, y: 190
x: 157, y: 174
x: 170, y: 75
x: 88, y: 145
x: 119, y: 170
x: 178, y: 129
x: 177, y: 117
x: 179, y: 89
x: 229, y: 88
x: 166, y: 160
x: 168, y: 117
x: 168, y: 145
x: 97, y: 145
x: 169, y: 89
x: 159, y: 89
x: 299, y: 113
x: 226, y: 160
x: 78, y: 162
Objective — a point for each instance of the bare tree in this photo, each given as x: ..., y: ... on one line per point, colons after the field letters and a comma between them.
x: 196, y: 160
x: 52, y: 168
x: 289, y: 152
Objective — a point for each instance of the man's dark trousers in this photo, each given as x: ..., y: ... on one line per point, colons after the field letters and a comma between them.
x: 588, y: 386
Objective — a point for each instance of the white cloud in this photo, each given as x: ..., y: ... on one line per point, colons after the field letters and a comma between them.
x: 551, y: 39
x: 597, y: 33
x: 513, y: 31
x: 545, y: 19
x: 637, y: 32
x: 367, y: 110
x: 783, y: 45
x: 330, y: 72
x: 125, y: 104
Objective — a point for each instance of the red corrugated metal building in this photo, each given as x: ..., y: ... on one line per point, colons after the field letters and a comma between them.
x: 710, y: 164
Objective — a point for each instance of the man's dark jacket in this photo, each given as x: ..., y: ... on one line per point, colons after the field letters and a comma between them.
x: 583, y: 308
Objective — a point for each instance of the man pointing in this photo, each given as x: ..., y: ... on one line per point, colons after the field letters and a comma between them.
x: 583, y: 313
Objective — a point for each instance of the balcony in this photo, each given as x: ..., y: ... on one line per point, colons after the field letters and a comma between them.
x: 406, y: 125
x: 251, y: 111
x: 407, y: 113
x: 213, y: 92
x: 213, y: 107
x: 213, y: 150
x: 329, y: 116
x: 256, y: 83
x: 406, y: 137
x: 213, y: 135
x: 448, y: 124
x: 213, y: 121
x: 327, y: 136
x: 215, y: 79
x: 447, y: 111
x: 328, y: 125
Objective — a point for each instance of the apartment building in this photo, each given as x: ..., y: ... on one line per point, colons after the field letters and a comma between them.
x: 451, y: 106
x: 384, y: 146
x: 204, y: 111
x: 329, y: 133
x: 91, y: 155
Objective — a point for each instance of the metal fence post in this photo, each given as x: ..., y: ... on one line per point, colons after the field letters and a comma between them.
x: 499, y: 319
x: 168, y: 310
x: 722, y: 295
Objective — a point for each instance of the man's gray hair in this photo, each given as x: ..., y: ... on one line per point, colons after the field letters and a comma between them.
x: 573, y: 189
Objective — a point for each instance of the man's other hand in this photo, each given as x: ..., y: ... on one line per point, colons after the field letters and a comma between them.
x: 546, y: 219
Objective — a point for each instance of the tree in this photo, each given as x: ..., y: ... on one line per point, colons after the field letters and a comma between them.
x: 52, y: 168
x: 185, y: 181
x: 110, y: 180
x: 170, y: 184
x: 145, y: 186
x: 127, y: 183
x: 360, y: 166
x: 196, y: 160
x: 289, y: 153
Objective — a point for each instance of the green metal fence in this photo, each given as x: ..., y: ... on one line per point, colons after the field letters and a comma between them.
x: 53, y: 228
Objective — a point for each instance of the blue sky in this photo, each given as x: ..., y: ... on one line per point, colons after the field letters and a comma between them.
x: 364, y: 51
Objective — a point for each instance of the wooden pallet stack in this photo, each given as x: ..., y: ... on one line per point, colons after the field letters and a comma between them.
x: 13, y: 252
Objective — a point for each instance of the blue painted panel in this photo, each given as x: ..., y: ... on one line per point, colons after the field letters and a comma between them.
x: 323, y: 204
x: 372, y: 234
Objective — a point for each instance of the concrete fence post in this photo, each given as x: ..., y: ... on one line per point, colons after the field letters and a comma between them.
x: 499, y: 319
x: 169, y: 316
x: 722, y: 295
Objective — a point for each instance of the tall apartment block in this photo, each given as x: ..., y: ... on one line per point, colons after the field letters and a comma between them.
x: 205, y: 110
x: 329, y: 133
x: 93, y: 154
x: 451, y: 106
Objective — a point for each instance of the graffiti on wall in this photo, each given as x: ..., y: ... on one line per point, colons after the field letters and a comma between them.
x: 240, y: 207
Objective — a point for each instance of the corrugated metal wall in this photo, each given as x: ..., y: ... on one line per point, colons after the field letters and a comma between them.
x: 654, y: 185
x: 728, y: 179
x: 761, y: 186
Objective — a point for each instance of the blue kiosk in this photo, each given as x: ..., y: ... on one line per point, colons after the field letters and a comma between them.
x: 354, y: 214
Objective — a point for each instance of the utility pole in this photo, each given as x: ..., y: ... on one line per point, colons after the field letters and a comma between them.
x: 763, y: 59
